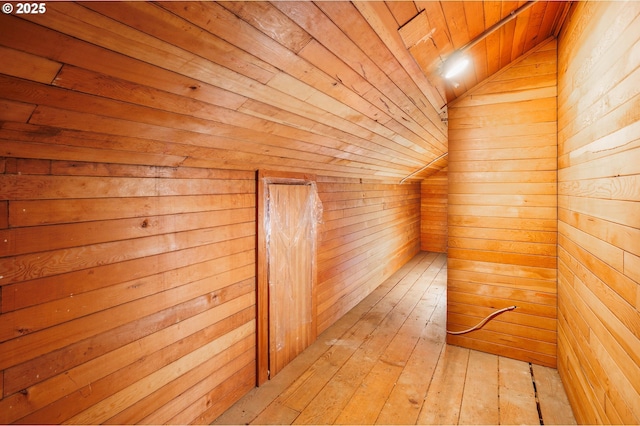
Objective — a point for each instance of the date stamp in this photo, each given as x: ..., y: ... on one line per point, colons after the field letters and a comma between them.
x: 32, y: 8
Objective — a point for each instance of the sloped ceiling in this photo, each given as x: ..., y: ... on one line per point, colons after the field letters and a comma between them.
x: 321, y: 87
x: 440, y: 28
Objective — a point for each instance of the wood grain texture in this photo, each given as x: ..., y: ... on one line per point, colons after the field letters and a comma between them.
x: 128, y: 291
x: 502, y: 217
x: 437, y: 29
x: 223, y: 85
x: 369, y: 229
x: 386, y: 362
x: 117, y: 309
x: 599, y: 287
x: 433, y: 211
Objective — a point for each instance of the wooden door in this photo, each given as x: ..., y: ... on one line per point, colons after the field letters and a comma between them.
x: 288, y: 213
x: 291, y: 251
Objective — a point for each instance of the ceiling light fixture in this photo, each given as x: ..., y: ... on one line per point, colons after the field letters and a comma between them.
x: 455, y: 64
x: 457, y: 61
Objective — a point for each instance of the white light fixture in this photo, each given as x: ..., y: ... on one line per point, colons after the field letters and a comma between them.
x: 457, y: 61
x: 455, y: 64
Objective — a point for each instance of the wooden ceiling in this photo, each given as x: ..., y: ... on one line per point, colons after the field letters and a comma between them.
x: 434, y: 30
x: 326, y: 87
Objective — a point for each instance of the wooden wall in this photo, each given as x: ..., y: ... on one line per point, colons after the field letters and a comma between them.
x: 502, y: 211
x: 128, y: 292
x: 599, y: 211
x: 433, y: 211
x: 369, y: 230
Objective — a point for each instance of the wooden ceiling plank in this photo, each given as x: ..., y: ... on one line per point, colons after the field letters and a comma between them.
x: 272, y: 22
x: 107, y: 147
x: 24, y: 149
x: 64, y: 99
x: 551, y: 11
x: 415, y: 31
x: 455, y: 18
x: 326, y: 32
x: 474, y: 16
x: 397, y: 82
x: 368, y: 140
x: 324, y: 87
x: 112, y: 64
x: 398, y: 121
x: 196, y: 67
x: 533, y: 34
x: 243, y: 139
x: 100, y: 106
x: 443, y: 44
x: 441, y: 36
x: 223, y: 154
x: 90, y: 82
x: 136, y: 23
x: 425, y: 95
x: 25, y: 65
x: 143, y: 76
x: 402, y: 11
x: 320, y: 57
x: 323, y: 135
x: 93, y: 83
x: 15, y: 111
x: 474, y: 13
x: 507, y: 34
x: 519, y: 33
x: 480, y: 61
x: 492, y: 14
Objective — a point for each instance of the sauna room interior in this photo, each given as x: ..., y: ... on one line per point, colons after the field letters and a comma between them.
x: 197, y: 197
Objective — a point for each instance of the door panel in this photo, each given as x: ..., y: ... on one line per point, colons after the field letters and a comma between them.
x: 291, y: 267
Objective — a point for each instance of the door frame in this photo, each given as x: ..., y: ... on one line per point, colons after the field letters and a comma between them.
x: 264, y: 178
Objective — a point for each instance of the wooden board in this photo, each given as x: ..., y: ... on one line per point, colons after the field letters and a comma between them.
x: 433, y: 210
x: 291, y: 245
x: 502, y: 210
x: 598, y: 178
x: 146, y: 292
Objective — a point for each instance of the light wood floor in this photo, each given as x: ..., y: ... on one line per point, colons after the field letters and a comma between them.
x: 386, y: 362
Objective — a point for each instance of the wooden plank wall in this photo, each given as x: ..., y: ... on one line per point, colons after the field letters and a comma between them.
x: 433, y: 212
x: 502, y: 211
x: 369, y: 230
x: 128, y: 292
x: 599, y: 211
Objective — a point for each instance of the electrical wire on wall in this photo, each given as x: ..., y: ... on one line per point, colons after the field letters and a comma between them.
x: 484, y: 321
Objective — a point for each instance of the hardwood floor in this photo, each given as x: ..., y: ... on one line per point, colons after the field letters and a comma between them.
x: 385, y: 362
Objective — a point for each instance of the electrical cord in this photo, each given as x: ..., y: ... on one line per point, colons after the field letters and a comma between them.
x: 484, y: 321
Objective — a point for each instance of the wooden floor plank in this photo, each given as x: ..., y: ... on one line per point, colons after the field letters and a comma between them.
x: 554, y: 404
x: 386, y: 362
x: 375, y: 389
x: 332, y: 401
x: 516, y: 393
x: 480, y: 403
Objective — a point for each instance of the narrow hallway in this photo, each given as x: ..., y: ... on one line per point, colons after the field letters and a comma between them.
x: 386, y: 362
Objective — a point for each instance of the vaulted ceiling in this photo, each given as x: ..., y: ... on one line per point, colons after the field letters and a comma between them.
x: 499, y: 31
x: 348, y: 89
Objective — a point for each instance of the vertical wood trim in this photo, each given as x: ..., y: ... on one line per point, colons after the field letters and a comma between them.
x: 262, y: 288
